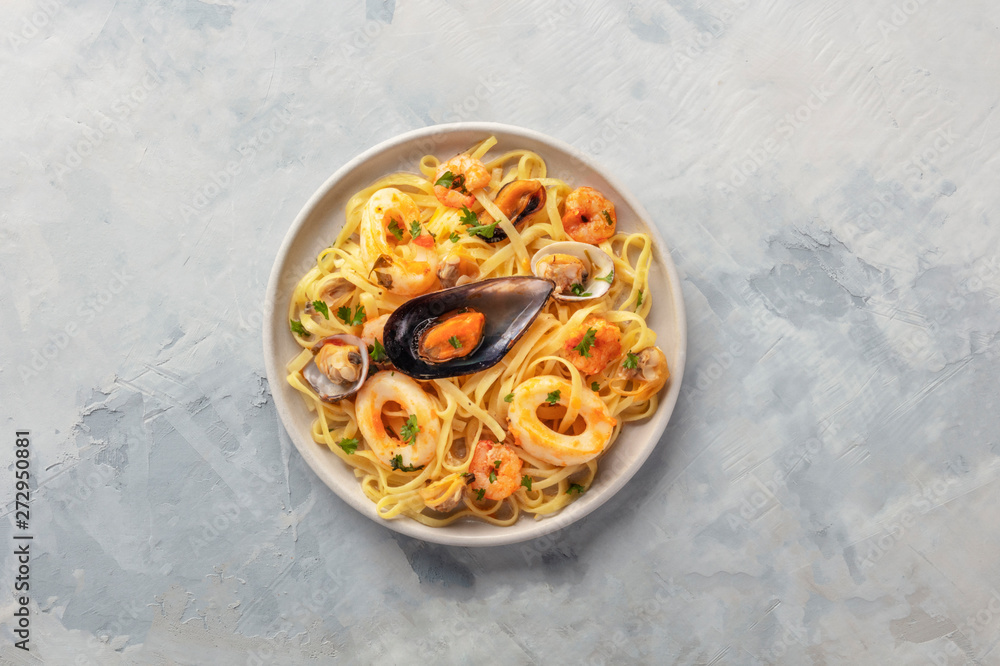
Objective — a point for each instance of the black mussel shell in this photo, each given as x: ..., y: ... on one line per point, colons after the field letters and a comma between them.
x: 519, y: 200
x: 510, y: 305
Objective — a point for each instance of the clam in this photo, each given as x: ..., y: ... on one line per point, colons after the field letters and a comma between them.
x: 580, y: 271
x: 338, y: 367
x: 464, y: 329
x: 521, y: 201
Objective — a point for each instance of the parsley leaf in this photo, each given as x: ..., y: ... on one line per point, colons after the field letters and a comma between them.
x: 496, y: 464
x: 595, y: 387
x: 607, y: 217
x: 493, y: 476
x: 587, y: 342
x: 553, y: 398
x: 395, y: 230
x: 638, y: 303
x: 454, y: 238
x: 577, y: 290
x: 414, y: 229
x: 526, y: 481
x: 468, y: 218
x: 574, y: 488
x: 297, y: 327
x: 479, y: 493
x: 377, y: 352
x: 321, y: 307
x: 446, y: 179
x: 410, y: 429
x: 609, y: 278
x: 631, y: 361
x: 397, y: 463
x: 509, y: 397
x: 344, y: 315
x: 484, y: 230
x: 349, y: 445
x: 455, y: 342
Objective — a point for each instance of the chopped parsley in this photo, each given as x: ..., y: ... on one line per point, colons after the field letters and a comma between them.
x: 526, y: 481
x: 410, y: 429
x: 414, y: 229
x: 631, y: 361
x: 297, y: 327
x: 553, y: 398
x: 496, y: 464
x: 377, y: 352
x: 638, y: 303
x: 577, y: 290
x: 479, y: 493
x: 350, y: 445
x: 587, y: 342
x: 344, y: 315
x: 397, y: 463
x: 446, y: 179
x: 322, y: 308
x: 509, y: 397
x: 493, y: 476
x: 455, y: 342
x: 484, y: 230
x: 454, y: 238
x: 396, y: 230
x: 575, y: 488
x: 607, y: 217
x: 595, y: 387
x: 609, y: 278
x: 468, y: 218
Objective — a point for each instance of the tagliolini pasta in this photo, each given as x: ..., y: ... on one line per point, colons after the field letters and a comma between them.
x: 512, y: 438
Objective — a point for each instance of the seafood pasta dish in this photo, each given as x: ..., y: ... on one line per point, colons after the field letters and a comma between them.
x: 475, y: 338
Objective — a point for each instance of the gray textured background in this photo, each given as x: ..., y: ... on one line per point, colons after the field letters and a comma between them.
x: 825, y: 174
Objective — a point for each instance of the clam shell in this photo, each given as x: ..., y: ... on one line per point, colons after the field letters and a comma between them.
x: 510, y: 305
x: 600, y: 264
x: 330, y: 391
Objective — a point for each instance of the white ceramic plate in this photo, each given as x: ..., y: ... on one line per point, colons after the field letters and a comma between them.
x: 317, y: 226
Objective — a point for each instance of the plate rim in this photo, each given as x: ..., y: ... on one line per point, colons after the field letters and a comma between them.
x: 309, y: 450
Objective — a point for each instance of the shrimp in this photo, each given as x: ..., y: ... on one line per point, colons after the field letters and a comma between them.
x: 414, y: 440
x: 456, y: 180
x: 374, y: 329
x: 588, y: 216
x: 390, y: 213
x: 497, y: 469
x: 541, y: 441
x: 592, y: 345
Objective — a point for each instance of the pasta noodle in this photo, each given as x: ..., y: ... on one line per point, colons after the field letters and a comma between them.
x: 474, y: 407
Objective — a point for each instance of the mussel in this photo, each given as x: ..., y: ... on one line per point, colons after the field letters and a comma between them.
x: 579, y: 271
x: 415, y: 332
x: 521, y: 201
x: 338, y: 367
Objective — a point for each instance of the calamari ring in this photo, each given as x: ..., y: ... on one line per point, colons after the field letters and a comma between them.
x: 400, y: 276
x: 539, y: 440
x: 386, y: 387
